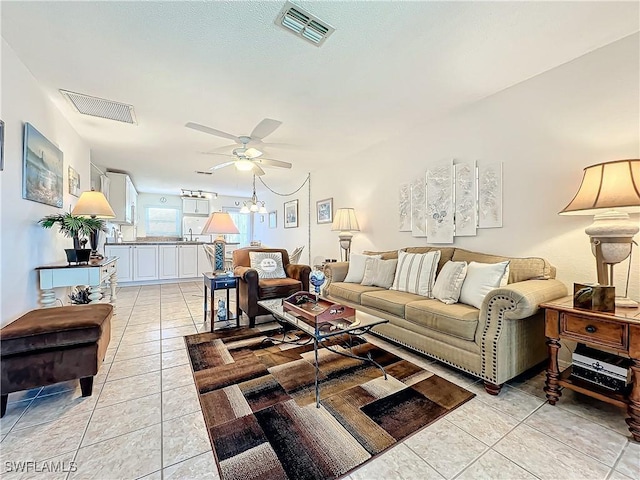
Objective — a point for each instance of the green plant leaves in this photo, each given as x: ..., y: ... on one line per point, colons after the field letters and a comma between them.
x: 73, y: 226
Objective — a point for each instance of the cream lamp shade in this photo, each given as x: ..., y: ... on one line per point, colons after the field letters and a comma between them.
x: 609, y: 191
x: 93, y: 204
x: 219, y: 223
x: 345, y: 222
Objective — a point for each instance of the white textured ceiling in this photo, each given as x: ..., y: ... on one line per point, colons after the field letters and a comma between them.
x: 388, y: 66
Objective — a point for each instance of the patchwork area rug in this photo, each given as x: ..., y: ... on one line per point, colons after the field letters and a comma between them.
x: 258, y: 401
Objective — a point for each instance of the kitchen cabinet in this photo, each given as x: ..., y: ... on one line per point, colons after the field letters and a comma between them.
x: 168, y: 261
x: 195, y: 206
x: 188, y: 261
x: 125, y: 264
x: 123, y: 198
x: 145, y: 262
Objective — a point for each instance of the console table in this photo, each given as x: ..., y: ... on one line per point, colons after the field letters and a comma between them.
x: 63, y: 275
x: 618, y: 332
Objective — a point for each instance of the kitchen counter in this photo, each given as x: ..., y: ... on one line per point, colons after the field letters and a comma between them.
x: 171, y: 242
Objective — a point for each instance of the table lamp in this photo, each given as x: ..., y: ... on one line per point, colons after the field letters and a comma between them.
x: 345, y: 222
x: 219, y: 223
x: 95, y: 205
x: 609, y: 191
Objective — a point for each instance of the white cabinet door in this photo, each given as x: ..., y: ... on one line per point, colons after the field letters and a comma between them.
x: 123, y: 252
x: 188, y: 261
x: 203, y: 261
x: 145, y: 262
x: 202, y: 207
x: 189, y: 206
x: 168, y: 264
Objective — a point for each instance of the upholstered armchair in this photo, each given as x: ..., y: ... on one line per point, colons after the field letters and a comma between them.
x: 253, y: 289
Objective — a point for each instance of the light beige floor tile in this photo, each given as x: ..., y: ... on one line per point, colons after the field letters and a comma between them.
x: 138, y: 338
x: 56, y: 468
x: 23, y: 395
x: 173, y: 315
x: 533, y: 385
x: 547, y: 458
x: 629, y: 463
x: 46, y: 440
x: 134, y: 366
x: 174, y: 358
x: 142, y: 319
x: 595, y: 410
x: 153, y: 476
x: 52, y: 407
x: 455, y: 376
x: 14, y: 411
x: 446, y: 447
x: 586, y: 436
x: 179, y: 401
x: 179, y: 331
x: 483, y: 422
x: 175, y: 343
x: 142, y: 328
x: 110, y: 353
x: 183, y: 438
x: 129, y: 388
x: 398, y: 462
x: 127, y: 352
x: 200, y: 467
x: 180, y: 322
x: 491, y: 466
x: 511, y: 401
x: 121, y: 418
x: 176, y: 377
x: 131, y: 455
x: 615, y: 475
x: 70, y: 385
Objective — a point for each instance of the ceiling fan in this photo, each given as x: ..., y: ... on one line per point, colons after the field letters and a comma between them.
x: 245, y: 159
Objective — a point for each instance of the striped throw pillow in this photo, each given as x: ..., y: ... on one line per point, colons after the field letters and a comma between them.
x: 416, y: 272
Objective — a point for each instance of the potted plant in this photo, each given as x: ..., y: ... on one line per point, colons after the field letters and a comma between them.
x: 75, y: 227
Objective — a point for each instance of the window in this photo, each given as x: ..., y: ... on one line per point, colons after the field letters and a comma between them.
x: 162, y: 221
x: 244, y: 224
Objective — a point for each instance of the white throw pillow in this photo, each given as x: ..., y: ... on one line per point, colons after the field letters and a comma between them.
x: 480, y: 280
x: 416, y: 272
x: 267, y: 264
x: 355, y: 274
x: 379, y: 273
x: 449, y: 282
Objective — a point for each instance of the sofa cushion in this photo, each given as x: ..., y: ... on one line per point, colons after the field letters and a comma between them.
x: 458, y: 319
x: 379, y: 272
x: 520, y: 269
x: 277, y: 287
x: 357, y: 262
x: 389, y: 301
x: 54, y: 328
x: 350, y: 291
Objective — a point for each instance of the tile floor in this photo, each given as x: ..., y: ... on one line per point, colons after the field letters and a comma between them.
x: 144, y: 420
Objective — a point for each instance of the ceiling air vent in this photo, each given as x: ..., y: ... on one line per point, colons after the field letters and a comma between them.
x: 306, y: 26
x: 204, y: 173
x: 99, y: 107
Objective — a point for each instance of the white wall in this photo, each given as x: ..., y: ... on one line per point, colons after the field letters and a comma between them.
x: 544, y: 130
x: 25, y: 245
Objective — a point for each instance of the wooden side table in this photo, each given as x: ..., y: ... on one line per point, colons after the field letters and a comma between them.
x: 617, y: 332
x: 222, y: 282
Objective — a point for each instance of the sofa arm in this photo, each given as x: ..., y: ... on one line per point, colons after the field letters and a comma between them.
x: 335, y: 272
x: 299, y: 272
x: 247, y: 274
x: 524, y: 298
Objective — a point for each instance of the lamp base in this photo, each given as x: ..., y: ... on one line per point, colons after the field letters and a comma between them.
x: 625, y: 302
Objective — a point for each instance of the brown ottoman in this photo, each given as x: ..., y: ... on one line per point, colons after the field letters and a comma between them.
x: 52, y: 345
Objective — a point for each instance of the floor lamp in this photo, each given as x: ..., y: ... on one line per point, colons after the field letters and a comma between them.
x: 95, y: 205
x: 345, y: 222
x: 219, y: 223
x: 609, y: 191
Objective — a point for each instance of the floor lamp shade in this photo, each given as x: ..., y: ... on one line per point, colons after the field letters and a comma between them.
x: 93, y: 204
x: 345, y: 222
x: 219, y: 223
x: 609, y: 191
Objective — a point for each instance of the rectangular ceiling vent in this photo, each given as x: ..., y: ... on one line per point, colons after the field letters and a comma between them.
x: 304, y: 25
x: 99, y: 107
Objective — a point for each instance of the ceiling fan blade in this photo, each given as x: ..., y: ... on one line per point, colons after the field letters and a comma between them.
x: 217, y: 154
x: 222, y: 165
x: 226, y: 148
x: 212, y: 131
x: 272, y: 163
x: 257, y: 170
x: 264, y: 128
x: 283, y: 146
x: 252, y: 153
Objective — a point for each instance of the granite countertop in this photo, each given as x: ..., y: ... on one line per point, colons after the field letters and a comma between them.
x: 170, y: 242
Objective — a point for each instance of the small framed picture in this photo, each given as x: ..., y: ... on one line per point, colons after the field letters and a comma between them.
x: 273, y: 219
x: 324, y: 210
x: 74, y: 182
x: 291, y: 214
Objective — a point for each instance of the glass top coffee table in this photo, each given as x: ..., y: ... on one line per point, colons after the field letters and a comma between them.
x: 318, y: 333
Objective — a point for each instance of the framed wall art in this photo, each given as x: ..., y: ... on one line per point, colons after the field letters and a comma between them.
x: 291, y: 214
x: 273, y: 219
x: 42, y: 179
x: 74, y: 182
x: 324, y: 210
x: 1, y: 145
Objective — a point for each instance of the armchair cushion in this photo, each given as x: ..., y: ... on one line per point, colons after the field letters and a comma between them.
x: 278, y: 287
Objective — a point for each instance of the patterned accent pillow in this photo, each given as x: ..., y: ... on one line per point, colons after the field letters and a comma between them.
x: 416, y: 272
x: 267, y: 264
x: 449, y: 282
x: 379, y: 273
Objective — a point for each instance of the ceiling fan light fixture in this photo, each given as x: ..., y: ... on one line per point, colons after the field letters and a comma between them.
x: 244, y: 165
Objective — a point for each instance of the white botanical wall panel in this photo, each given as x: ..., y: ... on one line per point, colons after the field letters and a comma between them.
x: 440, y: 202
x: 465, y: 199
x: 490, y: 195
x: 404, y: 208
x: 418, y: 208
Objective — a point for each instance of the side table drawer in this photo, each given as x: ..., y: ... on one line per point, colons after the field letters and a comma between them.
x: 224, y: 283
x: 597, y: 331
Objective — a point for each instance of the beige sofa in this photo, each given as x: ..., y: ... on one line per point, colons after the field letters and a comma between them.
x: 501, y: 340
